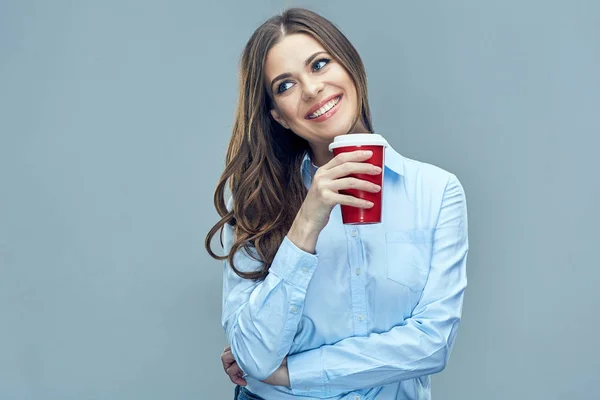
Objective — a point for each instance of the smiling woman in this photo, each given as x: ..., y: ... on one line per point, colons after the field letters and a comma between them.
x: 305, y: 79
x: 280, y: 90
x: 313, y: 307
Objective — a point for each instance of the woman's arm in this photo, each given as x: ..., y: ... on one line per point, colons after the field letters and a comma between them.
x: 421, y: 345
x: 260, y: 319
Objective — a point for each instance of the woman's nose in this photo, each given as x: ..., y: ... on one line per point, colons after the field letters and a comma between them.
x: 312, y: 88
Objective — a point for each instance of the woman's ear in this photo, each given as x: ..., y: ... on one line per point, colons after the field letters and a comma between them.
x: 279, y: 119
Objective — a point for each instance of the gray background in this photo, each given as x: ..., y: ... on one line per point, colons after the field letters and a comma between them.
x: 115, y: 117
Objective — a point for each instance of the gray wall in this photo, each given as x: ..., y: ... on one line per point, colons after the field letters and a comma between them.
x: 115, y: 116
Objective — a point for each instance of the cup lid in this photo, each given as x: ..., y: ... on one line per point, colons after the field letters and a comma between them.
x: 358, y: 139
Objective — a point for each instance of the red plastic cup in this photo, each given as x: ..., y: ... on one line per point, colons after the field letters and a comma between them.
x: 363, y: 141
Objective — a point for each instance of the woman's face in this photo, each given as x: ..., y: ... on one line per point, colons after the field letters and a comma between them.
x: 310, y: 77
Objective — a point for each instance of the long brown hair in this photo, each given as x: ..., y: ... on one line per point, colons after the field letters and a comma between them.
x: 263, y: 159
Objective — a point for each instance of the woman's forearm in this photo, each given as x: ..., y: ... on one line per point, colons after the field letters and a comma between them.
x: 303, y: 234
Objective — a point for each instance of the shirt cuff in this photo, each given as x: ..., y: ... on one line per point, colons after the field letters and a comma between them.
x: 307, y: 374
x: 294, y: 265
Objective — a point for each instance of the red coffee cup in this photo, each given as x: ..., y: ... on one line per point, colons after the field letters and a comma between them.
x: 363, y: 141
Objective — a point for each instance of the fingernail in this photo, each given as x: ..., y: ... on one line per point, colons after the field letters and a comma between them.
x: 367, y: 153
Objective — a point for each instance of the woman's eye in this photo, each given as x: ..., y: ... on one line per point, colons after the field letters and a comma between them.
x: 281, y: 88
x: 318, y: 62
x: 317, y: 66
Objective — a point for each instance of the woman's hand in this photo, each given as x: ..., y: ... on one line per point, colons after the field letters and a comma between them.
x: 324, y: 194
x: 232, y: 368
x: 332, y: 177
x: 280, y: 377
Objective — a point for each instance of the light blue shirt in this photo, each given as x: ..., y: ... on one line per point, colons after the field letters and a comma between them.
x: 374, y: 312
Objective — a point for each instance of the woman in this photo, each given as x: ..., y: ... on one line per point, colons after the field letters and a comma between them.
x: 313, y: 307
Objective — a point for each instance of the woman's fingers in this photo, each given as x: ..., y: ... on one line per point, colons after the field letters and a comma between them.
x: 354, y: 183
x: 231, y: 367
x: 227, y: 358
x: 348, y: 200
x: 359, y: 155
x: 235, y: 374
x: 351, y: 167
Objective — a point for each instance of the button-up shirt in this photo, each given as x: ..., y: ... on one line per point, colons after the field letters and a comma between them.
x: 374, y: 312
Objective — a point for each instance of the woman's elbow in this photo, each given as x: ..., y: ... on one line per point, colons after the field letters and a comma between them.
x: 258, y: 362
x: 257, y: 369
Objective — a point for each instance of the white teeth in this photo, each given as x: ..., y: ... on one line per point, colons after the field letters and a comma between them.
x: 325, y: 108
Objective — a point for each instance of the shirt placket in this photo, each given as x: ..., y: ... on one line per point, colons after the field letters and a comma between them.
x: 356, y: 262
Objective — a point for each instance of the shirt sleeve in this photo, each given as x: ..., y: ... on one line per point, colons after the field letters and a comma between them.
x: 422, y: 344
x: 260, y: 319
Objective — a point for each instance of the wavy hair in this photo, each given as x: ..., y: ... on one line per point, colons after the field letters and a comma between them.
x: 262, y: 165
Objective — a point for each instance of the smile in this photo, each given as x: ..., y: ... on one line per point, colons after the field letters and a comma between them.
x: 326, y: 111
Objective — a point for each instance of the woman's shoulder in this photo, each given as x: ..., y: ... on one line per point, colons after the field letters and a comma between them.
x: 419, y: 173
x: 427, y: 170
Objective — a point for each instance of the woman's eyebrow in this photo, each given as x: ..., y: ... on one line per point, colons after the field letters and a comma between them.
x: 287, y: 74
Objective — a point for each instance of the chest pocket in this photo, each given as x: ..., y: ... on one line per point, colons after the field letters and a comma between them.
x: 409, y: 257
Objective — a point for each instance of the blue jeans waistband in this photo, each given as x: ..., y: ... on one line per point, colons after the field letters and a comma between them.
x: 241, y: 393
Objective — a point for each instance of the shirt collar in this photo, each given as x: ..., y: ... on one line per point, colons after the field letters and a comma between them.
x: 393, y: 161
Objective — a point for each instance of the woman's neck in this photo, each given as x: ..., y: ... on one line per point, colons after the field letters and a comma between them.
x: 320, y: 156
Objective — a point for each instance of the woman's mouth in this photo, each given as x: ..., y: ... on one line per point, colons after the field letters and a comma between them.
x: 327, y: 111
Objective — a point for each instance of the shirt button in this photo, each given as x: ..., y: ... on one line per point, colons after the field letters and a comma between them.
x: 361, y: 317
x: 305, y: 270
x: 354, y: 233
x: 357, y: 271
x: 294, y: 310
x: 357, y: 397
